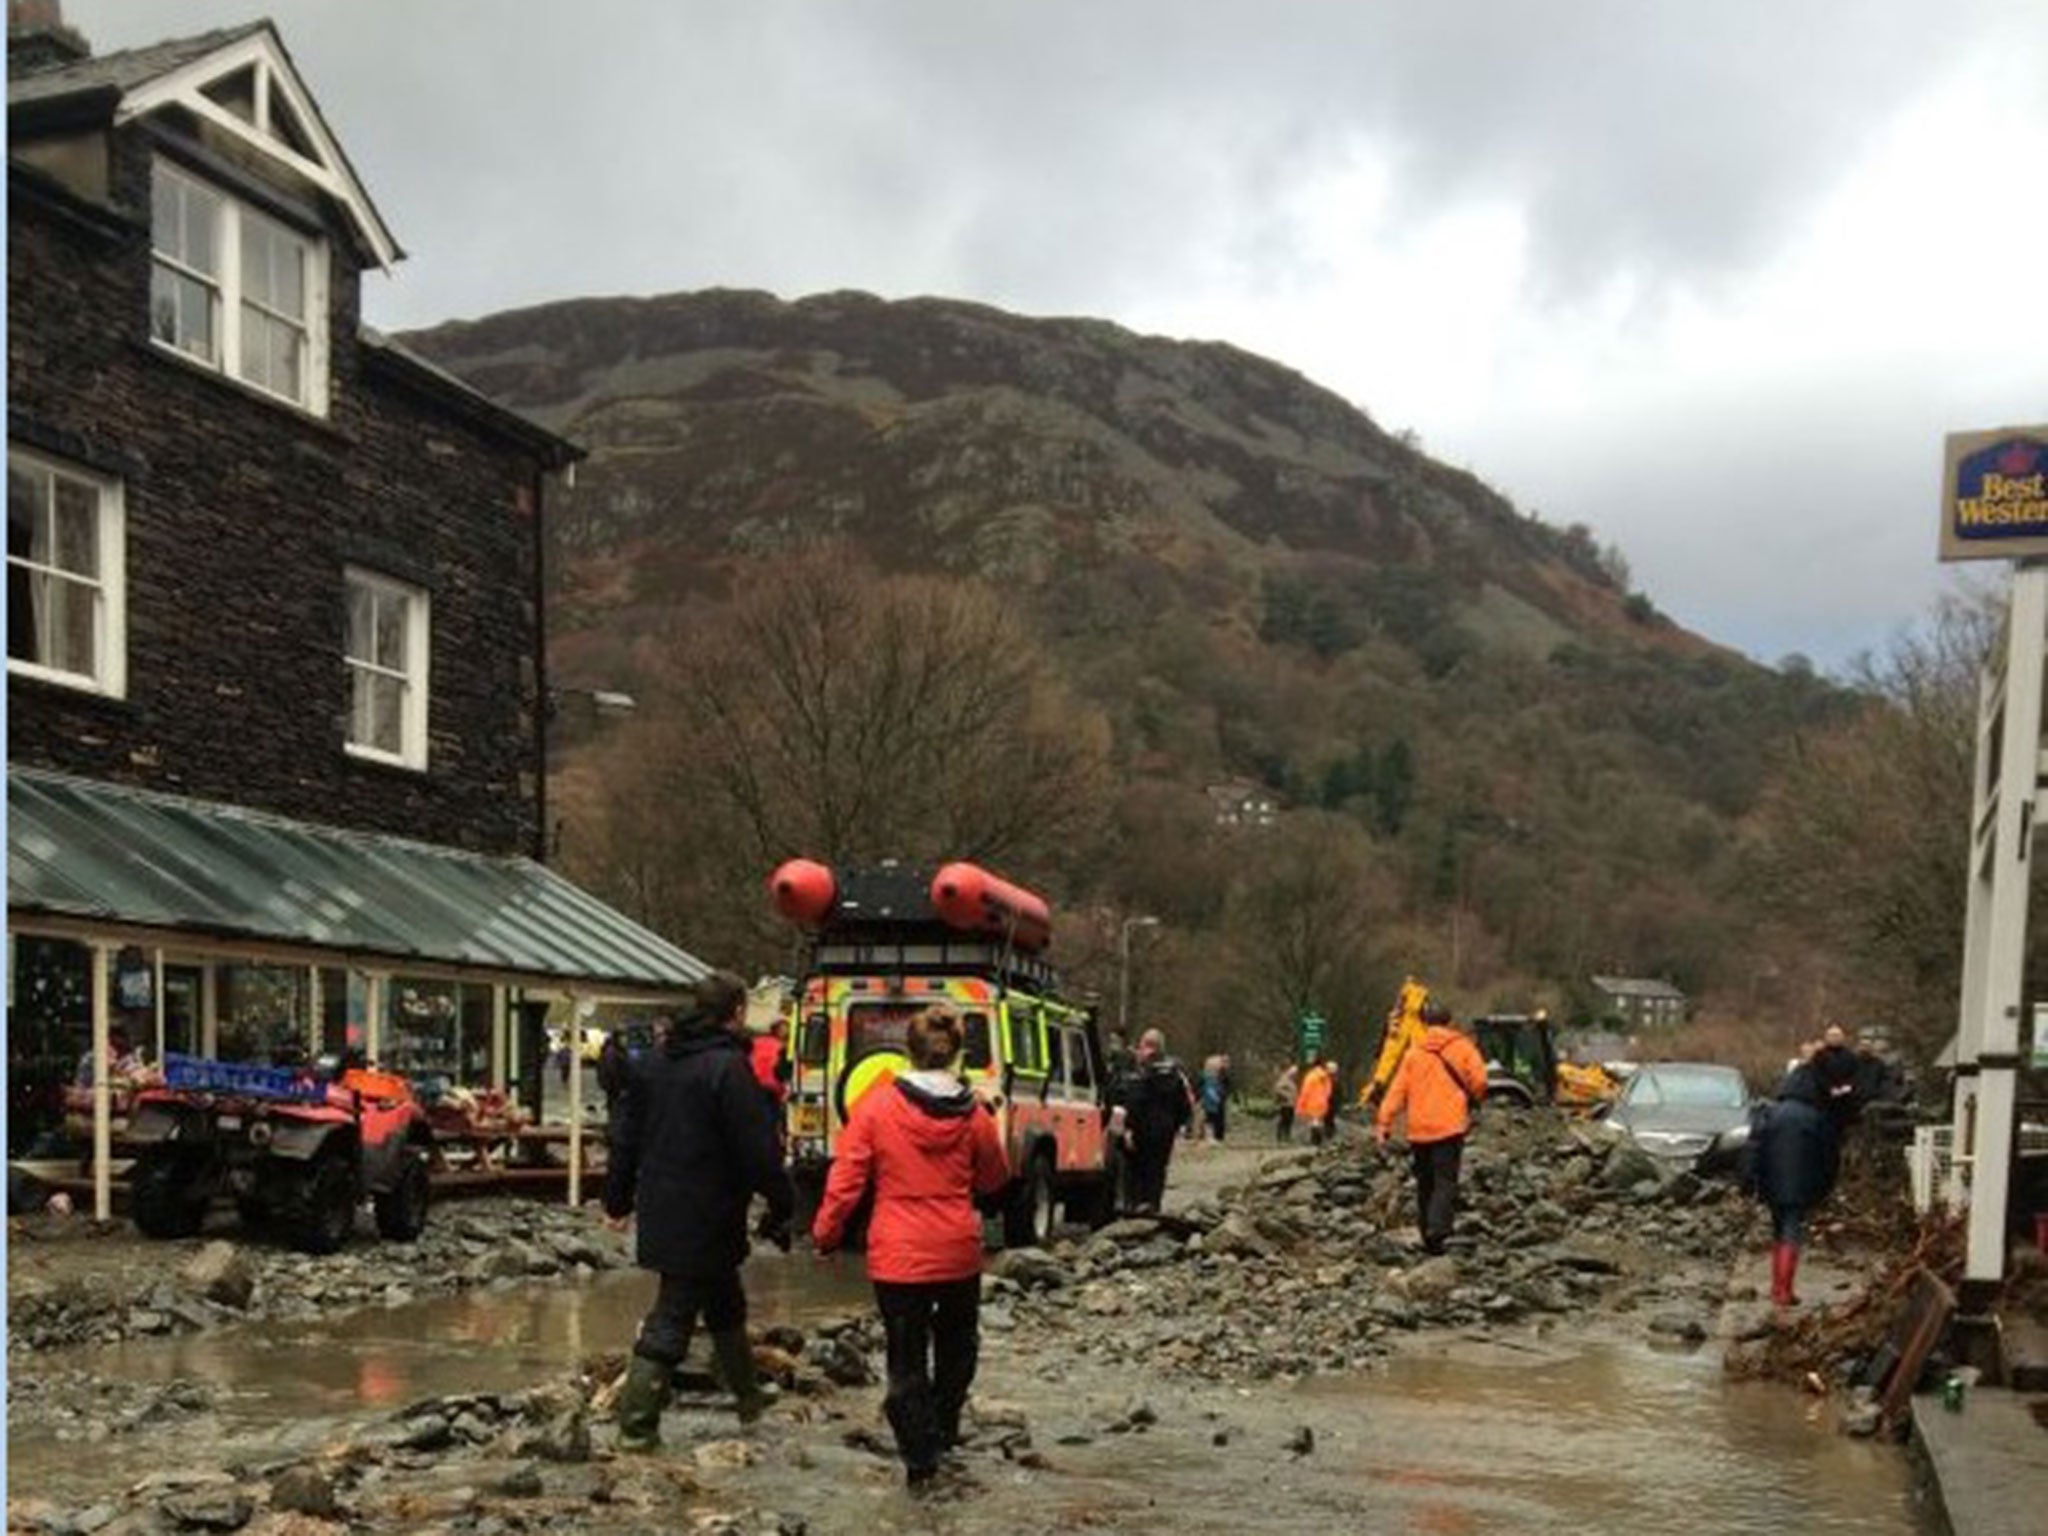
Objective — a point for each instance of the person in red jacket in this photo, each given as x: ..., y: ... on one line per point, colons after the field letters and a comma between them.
x: 770, y: 1054
x: 1439, y: 1080
x: 927, y: 1146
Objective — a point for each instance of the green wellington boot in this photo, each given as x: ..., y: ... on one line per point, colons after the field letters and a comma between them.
x: 641, y: 1400
x: 736, y: 1365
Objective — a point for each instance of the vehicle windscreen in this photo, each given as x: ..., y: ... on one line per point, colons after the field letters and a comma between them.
x: 885, y: 1026
x: 873, y: 1027
x: 1689, y: 1090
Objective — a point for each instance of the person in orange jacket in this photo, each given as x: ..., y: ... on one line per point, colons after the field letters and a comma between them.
x: 1312, y: 1102
x: 1439, y: 1081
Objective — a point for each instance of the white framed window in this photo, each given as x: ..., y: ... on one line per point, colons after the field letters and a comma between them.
x: 387, y: 670
x: 66, y: 569
x: 235, y: 290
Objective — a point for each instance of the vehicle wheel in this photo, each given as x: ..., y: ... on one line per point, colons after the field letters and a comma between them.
x: 1092, y: 1203
x: 1513, y: 1097
x: 162, y: 1198
x: 402, y: 1209
x: 324, y: 1212
x: 1029, y: 1220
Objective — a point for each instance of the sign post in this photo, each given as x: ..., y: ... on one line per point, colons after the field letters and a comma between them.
x: 1995, y: 507
x: 1308, y: 1035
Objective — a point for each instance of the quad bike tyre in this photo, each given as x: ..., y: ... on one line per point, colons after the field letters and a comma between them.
x: 161, y: 1197
x: 322, y: 1213
x: 402, y: 1209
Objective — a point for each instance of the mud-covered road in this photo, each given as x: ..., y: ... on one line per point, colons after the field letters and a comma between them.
x: 1129, y: 1393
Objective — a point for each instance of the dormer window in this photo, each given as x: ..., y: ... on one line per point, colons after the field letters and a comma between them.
x: 235, y: 290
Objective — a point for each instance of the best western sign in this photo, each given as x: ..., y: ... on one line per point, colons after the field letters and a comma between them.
x: 1994, y: 495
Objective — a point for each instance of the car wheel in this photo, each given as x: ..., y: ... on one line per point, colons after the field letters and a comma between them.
x: 325, y: 1213
x: 1092, y: 1203
x: 402, y: 1209
x: 163, y: 1198
x: 1029, y: 1221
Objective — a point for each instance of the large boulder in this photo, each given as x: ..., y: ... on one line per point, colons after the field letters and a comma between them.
x: 1430, y: 1281
x: 1033, y: 1268
x: 222, y: 1273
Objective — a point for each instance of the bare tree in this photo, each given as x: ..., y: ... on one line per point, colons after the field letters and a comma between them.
x: 847, y: 716
x: 1864, y: 831
x: 1302, y: 920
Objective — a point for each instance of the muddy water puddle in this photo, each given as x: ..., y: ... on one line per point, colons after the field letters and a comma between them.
x: 1465, y: 1438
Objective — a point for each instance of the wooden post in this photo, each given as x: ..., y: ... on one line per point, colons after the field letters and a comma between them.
x: 158, y: 993
x: 499, y: 1037
x: 373, y: 1016
x: 575, y: 1100
x: 315, y: 1012
x: 102, y: 1091
x: 209, y: 1011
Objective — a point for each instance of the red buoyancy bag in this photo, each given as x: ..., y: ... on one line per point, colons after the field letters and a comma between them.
x: 803, y: 891
x: 968, y: 896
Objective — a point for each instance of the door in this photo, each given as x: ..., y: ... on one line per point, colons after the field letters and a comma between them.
x: 184, y: 1008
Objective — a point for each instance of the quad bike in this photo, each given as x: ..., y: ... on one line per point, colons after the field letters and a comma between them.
x: 297, y: 1152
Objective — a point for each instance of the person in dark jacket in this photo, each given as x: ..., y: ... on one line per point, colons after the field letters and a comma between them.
x: 696, y: 1142
x: 1795, y: 1149
x: 926, y: 1146
x: 1157, y: 1102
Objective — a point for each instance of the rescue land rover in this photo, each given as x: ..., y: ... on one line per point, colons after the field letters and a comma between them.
x: 887, y: 942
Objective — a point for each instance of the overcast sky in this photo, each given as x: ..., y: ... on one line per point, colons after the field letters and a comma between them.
x: 1711, y: 277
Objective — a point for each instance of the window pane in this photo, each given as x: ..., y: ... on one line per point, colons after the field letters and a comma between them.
x: 195, y: 318
x: 377, y: 712
x: 273, y: 266
x: 288, y: 277
x: 202, y: 215
x: 183, y: 217
x: 256, y: 347
x: 387, y: 714
x: 77, y: 527
x: 285, y: 351
x: 25, y: 613
x: 74, y: 612
x: 164, y: 213
x: 163, y: 304
x: 256, y: 258
x: 181, y: 312
x: 28, y: 493
x: 362, y: 607
x: 391, y: 632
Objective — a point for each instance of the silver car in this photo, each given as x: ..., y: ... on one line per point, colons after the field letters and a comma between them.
x: 1693, y: 1113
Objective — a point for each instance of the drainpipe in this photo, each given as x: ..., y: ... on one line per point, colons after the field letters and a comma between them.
x: 541, y: 704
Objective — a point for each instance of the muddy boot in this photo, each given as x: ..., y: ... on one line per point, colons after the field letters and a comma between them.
x: 641, y: 1400
x: 735, y: 1357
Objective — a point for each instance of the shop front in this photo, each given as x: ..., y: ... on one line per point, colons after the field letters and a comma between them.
x: 142, y: 924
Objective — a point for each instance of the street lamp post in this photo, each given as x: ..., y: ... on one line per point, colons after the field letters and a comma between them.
x: 1123, y: 977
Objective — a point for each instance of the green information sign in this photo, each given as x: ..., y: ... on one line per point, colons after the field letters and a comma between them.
x: 1308, y: 1035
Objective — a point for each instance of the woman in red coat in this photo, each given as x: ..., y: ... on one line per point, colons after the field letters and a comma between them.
x: 927, y: 1146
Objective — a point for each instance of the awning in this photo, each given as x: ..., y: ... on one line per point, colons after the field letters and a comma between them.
x: 83, y: 850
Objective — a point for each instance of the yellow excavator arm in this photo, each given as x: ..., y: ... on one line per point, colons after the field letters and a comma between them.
x: 1404, y: 1028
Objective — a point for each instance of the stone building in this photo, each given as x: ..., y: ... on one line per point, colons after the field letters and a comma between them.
x: 277, y: 684
x: 1642, y: 1002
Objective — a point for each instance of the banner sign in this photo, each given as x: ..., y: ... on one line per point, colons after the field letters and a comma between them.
x: 1994, y: 495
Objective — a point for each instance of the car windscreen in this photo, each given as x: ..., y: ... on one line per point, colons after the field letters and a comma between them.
x: 1689, y: 1090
